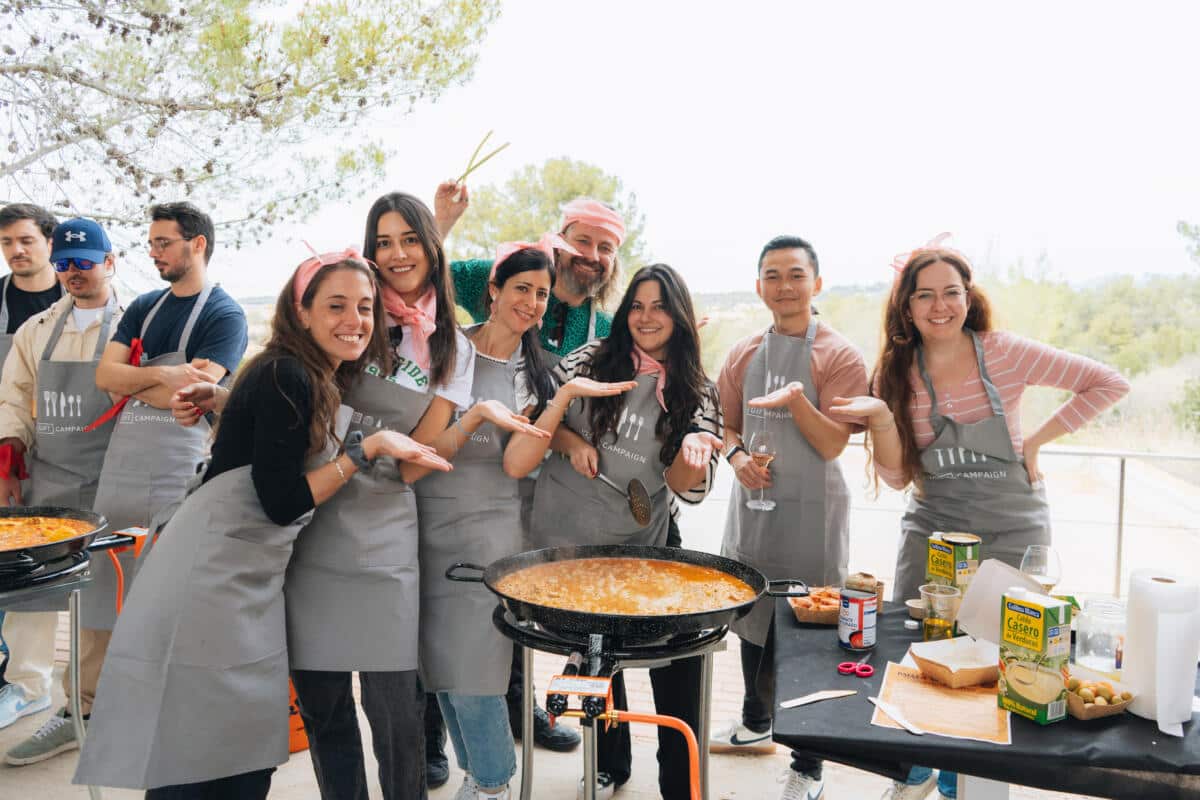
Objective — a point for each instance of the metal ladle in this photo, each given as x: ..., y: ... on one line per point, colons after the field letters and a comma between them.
x: 637, y: 497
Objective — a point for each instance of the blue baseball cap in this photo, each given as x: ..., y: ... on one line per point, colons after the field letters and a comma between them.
x: 79, y: 238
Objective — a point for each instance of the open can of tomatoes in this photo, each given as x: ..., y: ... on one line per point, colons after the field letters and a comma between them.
x: 856, y: 619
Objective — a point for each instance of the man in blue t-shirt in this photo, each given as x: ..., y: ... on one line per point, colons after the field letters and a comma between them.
x: 181, y: 243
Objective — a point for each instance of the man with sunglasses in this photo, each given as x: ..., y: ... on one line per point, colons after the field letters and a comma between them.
x: 47, y: 397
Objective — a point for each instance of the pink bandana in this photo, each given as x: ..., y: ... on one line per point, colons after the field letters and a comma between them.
x: 420, y: 317
x: 547, y: 244
x: 594, y: 213
x: 645, y: 365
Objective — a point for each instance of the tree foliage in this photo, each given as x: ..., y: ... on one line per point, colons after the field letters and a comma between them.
x: 256, y: 109
x: 1192, y: 234
x: 529, y: 204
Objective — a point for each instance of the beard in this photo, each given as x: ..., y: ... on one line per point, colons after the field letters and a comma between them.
x: 579, y: 276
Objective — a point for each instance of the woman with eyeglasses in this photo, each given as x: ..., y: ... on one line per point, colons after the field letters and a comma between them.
x: 665, y: 433
x: 353, y: 588
x: 193, y: 698
x: 945, y: 420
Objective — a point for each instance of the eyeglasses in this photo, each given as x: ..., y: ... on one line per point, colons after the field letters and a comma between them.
x: 163, y: 243
x: 64, y: 264
x: 926, y: 297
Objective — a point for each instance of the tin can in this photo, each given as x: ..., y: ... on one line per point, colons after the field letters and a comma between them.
x: 856, y: 620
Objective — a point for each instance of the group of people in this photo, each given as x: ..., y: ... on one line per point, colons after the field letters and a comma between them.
x: 304, y: 512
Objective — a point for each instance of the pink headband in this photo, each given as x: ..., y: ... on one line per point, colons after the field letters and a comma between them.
x: 309, y: 267
x: 594, y: 213
x: 900, y: 260
x: 547, y: 244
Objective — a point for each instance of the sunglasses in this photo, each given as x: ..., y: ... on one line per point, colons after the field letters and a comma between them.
x: 64, y: 264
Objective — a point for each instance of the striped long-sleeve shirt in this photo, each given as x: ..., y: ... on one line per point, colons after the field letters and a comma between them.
x: 1014, y: 362
x: 706, y: 418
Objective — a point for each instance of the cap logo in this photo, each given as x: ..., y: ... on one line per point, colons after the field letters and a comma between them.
x: 75, y: 236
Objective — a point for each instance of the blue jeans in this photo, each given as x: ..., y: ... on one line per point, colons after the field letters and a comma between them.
x: 947, y: 781
x: 481, y: 737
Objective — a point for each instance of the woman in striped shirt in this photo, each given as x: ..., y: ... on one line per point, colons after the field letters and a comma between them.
x: 665, y: 433
x: 946, y: 419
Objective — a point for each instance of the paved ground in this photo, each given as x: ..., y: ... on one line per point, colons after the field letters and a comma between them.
x: 1161, y: 529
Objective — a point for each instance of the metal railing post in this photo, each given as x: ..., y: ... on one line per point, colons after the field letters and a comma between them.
x: 1120, y: 528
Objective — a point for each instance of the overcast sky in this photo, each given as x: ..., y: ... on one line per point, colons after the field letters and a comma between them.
x: 1069, y: 129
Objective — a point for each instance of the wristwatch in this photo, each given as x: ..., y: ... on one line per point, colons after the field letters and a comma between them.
x: 729, y: 456
x: 354, y: 451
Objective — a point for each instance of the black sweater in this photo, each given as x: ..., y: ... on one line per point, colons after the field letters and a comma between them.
x: 265, y: 424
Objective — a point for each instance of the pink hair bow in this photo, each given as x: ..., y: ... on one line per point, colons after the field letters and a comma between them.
x: 309, y: 267
x: 547, y: 244
x: 594, y: 213
x: 901, y: 259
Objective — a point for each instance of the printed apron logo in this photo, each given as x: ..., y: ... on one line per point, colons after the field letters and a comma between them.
x: 953, y: 459
x: 58, y: 406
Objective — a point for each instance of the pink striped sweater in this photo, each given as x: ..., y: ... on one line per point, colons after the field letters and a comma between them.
x: 1014, y: 362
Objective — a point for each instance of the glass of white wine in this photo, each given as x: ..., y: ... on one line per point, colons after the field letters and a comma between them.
x: 761, y: 448
x: 1041, y: 563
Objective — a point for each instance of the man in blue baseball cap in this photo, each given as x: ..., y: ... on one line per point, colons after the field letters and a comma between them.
x: 47, y: 398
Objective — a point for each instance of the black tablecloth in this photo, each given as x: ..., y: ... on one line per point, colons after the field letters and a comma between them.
x: 1119, y: 756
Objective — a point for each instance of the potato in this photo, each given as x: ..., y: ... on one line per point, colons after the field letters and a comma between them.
x: 1126, y: 696
x: 1073, y: 685
x: 1087, y: 695
x: 1100, y: 701
x: 1104, y: 691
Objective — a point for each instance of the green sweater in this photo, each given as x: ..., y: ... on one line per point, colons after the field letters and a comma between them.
x: 470, y: 282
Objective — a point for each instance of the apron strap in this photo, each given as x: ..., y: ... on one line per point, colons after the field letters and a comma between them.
x: 934, y: 416
x: 811, y: 334
x: 4, y: 304
x: 992, y: 392
x: 153, y: 311
x: 201, y: 301
x: 56, y: 332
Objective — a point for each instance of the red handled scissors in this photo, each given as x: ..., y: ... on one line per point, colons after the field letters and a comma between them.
x: 858, y: 668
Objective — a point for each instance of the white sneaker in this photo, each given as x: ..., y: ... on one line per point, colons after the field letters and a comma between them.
x: 903, y: 791
x: 504, y: 794
x: 468, y: 790
x: 605, y: 787
x: 799, y: 786
x: 737, y: 738
x: 14, y: 704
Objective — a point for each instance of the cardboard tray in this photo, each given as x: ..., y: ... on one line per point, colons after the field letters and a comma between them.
x: 830, y: 617
x: 1081, y: 710
x: 929, y: 658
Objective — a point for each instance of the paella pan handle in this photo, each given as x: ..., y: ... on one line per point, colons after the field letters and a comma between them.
x: 452, y: 570
x: 786, y: 589
x: 109, y: 541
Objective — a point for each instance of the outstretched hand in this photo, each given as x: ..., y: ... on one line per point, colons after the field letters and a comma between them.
x: 697, y: 448
x: 450, y: 201
x: 505, y: 418
x: 586, y: 387
x: 403, y: 448
x: 779, y: 398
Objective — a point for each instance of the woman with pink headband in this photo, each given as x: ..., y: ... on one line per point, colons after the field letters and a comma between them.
x: 194, y: 699
x: 353, y: 588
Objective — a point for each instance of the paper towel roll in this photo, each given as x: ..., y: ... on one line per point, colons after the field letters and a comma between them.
x: 1161, y: 641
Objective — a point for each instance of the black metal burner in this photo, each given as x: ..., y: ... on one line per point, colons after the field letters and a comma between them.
x: 28, y: 573
x: 613, y: 647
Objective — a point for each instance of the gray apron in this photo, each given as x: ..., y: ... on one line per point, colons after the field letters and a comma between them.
x: 353, y: 587
x: 569, y: 509
x: 64, y: 464
x: 973, y: 482
x: 807, y: 534
x: 195, y: 682
x: 150, y: 461
x: 6, y: 338
x: 470, y: 514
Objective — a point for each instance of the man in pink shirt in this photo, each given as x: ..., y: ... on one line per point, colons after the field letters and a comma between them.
x: 781, y: 382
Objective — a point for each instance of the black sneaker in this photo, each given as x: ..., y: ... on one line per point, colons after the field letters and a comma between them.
x: 558, y: 738
x: 437, y: 769
x: 606, y: 786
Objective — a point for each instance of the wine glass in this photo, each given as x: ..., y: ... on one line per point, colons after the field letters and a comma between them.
x: 761, y: 448
x: 1041, y: 563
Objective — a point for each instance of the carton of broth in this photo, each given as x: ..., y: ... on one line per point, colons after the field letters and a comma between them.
x: 1035, y: 645
x: 953, y: 559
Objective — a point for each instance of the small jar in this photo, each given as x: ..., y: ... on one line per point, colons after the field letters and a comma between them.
x: 1100, y: 637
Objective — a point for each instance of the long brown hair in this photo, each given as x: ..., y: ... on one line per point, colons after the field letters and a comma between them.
x: 442, y: 342
x: 613, y: 361
x: 891, y: 378
x: 289, y: 337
